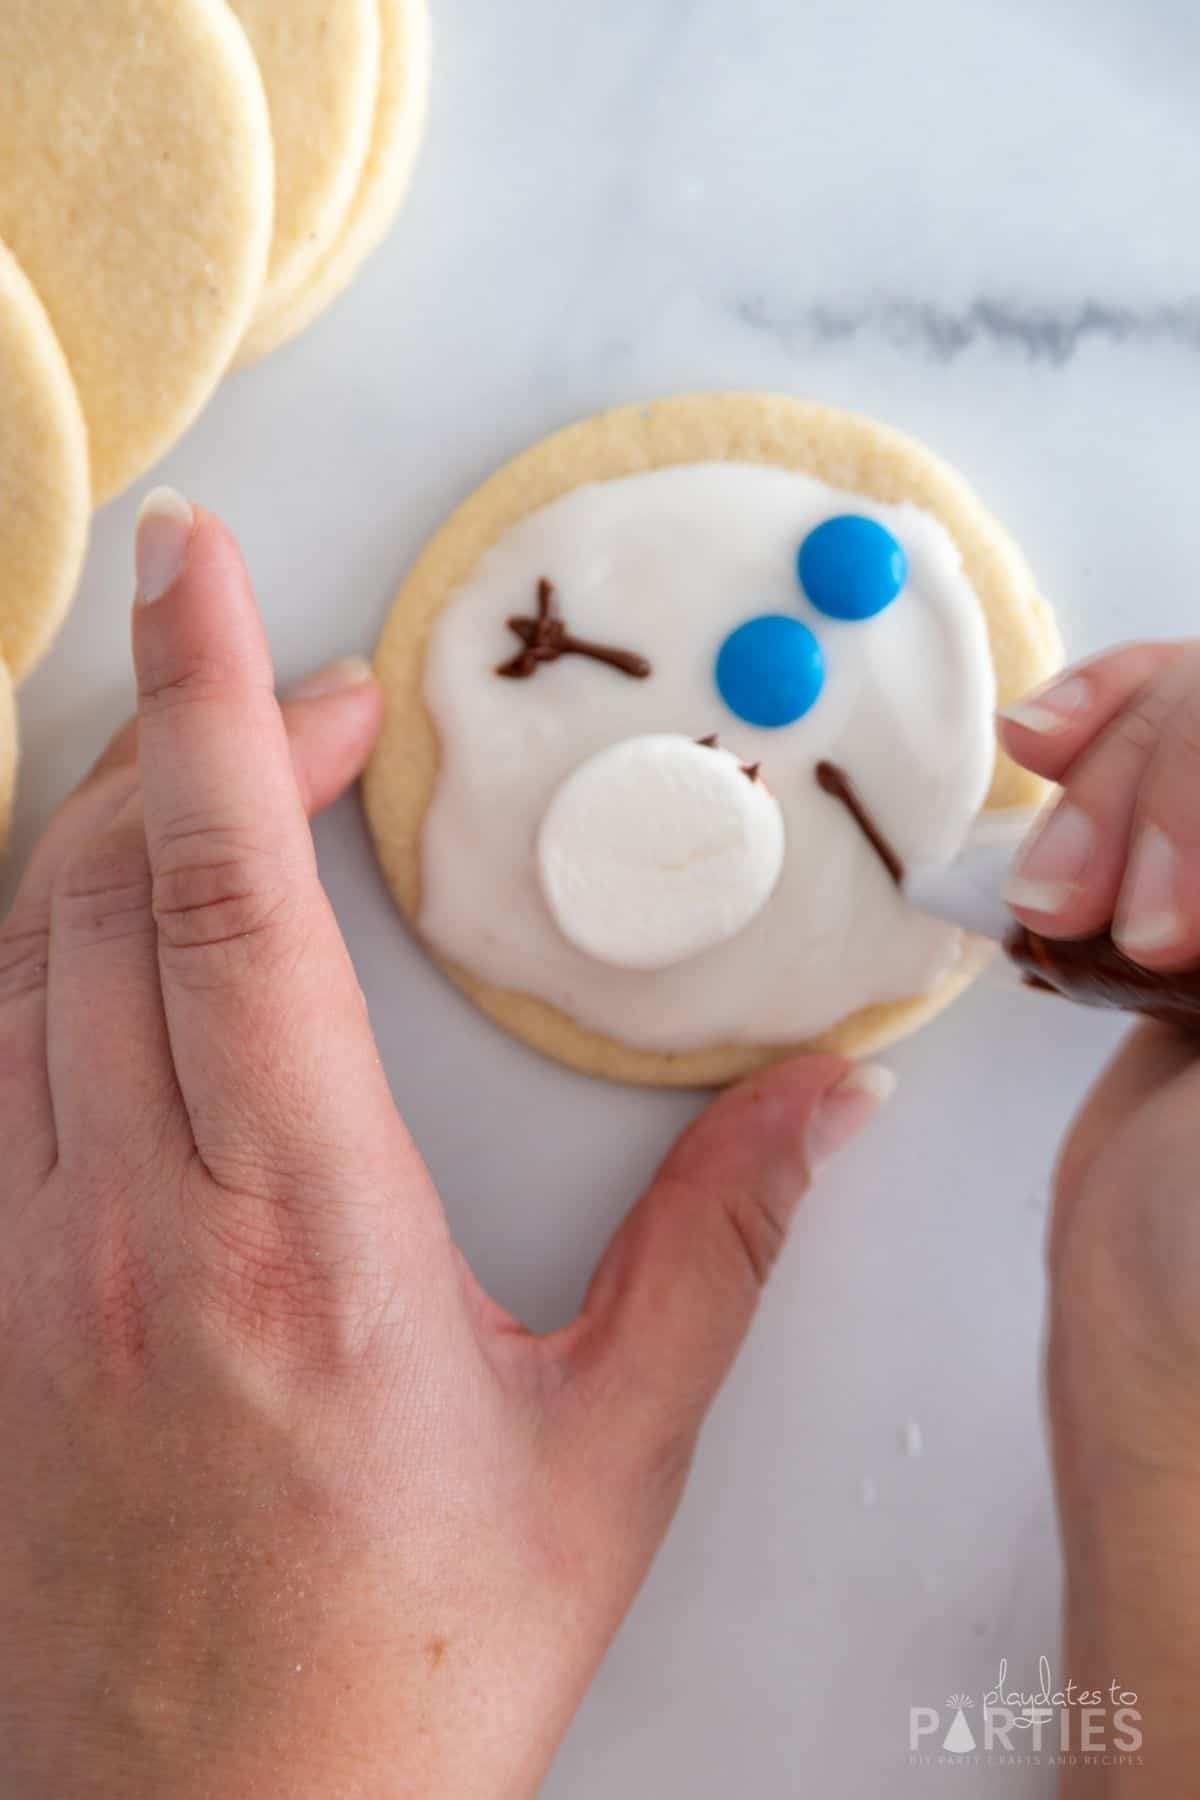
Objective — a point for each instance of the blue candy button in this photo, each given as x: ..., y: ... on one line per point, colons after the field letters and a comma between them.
x: 851, y: 568
x: 770, y: 670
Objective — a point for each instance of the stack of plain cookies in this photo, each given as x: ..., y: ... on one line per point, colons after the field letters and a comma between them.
x: 184, y: 185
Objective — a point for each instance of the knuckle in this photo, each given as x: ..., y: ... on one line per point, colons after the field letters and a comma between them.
x: 1140, y: 727
x: 201, y: 693
x: 117, y: 1286
x: 214, y: 893
x: 102, y: 891
x: 181, y: 681
x: 254, y: 1273
x: 757, y: 1224
x: 24, y: 956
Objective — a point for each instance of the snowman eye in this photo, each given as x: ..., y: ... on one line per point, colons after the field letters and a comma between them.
x: 770, y: 670
x: 851, y: 567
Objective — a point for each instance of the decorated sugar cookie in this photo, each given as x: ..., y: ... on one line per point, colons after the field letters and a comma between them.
x: 672, y: 700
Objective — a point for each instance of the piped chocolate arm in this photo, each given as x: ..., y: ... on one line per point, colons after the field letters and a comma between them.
x: 835, y: 782
x: 545, y: 638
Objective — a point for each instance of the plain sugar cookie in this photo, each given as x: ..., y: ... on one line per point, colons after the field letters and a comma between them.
x: 805, y: 593
x: 319, y: 61
x: 137, y: 195
x: 399, y: 125
x: 45, y: 493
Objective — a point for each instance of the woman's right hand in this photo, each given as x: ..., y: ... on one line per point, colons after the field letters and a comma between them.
x: 1121, y: 736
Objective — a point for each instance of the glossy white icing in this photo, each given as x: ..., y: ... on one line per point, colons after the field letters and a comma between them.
x: 667, y: 563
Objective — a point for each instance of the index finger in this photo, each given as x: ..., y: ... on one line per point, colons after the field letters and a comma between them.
x: 267, y: 1025
x: 1049, y: 730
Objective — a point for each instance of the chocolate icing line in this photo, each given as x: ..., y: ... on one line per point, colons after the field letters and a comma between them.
x: 836, y: 782
x: 545, y: 638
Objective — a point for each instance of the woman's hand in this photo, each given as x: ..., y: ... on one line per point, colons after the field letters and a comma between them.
x: 1121, y: 735
x: 287, y: 1503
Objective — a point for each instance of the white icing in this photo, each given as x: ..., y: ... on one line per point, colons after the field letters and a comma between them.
x: 656, y: 849
x: 666, y: 563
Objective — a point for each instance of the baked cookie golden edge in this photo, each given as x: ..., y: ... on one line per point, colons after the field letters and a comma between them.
x: 843, y: 449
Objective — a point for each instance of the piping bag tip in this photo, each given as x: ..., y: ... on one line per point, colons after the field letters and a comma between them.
x: 969, y: 892
x: 1092, y: 971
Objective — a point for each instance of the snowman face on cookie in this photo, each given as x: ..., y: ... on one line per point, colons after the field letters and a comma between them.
x: 633, y: 696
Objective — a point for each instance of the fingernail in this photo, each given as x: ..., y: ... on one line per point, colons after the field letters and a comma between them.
x: 344, y: 672
x: 164, y: 527
x: 1053, y: 866
x: 1053, y: 708
x: 1149, y: 915
x: 846, y: 1109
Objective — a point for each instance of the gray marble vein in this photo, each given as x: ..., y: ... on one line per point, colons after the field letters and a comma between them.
x: 1041, y: 333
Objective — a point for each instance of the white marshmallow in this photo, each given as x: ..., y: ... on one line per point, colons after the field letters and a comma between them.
x: 657, y: 849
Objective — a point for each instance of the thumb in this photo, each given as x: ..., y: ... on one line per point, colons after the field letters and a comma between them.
x: 677, y: 1289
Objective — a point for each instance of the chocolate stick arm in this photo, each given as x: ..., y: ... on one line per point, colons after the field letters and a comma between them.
x: 546, y: 638
x: 835, y: 782
x: 628, y: 661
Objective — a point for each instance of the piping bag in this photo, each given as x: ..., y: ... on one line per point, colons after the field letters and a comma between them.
x: 1092, y: 971
x: 970, y: 892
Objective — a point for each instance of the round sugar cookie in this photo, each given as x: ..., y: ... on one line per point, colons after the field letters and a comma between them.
x: 691, y: 438
x: 45, y: 492
x: 137, y: 194
x: 405, y: 56
x: 319, y: 61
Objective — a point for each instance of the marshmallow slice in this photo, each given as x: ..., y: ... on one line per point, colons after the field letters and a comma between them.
x: 657, y: 849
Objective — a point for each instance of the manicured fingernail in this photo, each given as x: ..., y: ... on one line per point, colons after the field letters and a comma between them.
x: 1148, y: 915
x: 164, y: 527
x: 1053, y: 708
x: 846, y: 1109
x: 345, y: 672
x: 1053, y: 866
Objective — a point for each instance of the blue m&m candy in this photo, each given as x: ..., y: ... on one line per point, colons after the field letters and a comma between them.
x: 851, y: 568
x: 770, y: 670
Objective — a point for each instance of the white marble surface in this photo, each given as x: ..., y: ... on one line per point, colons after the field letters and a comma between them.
x: 977, y: 221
